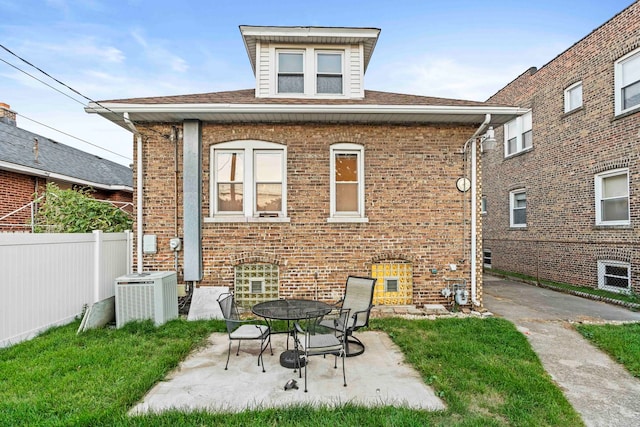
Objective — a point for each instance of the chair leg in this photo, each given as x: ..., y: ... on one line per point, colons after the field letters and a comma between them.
x: 344, y: 375
x: 238, y: 351
x: 228, y: 354
x: 306, y: 362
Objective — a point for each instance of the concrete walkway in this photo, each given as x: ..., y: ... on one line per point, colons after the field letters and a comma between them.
x: 601, y: 390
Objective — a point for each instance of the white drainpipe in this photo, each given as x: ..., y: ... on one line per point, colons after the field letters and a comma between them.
x: 139, y: 229
x: 474, y: 227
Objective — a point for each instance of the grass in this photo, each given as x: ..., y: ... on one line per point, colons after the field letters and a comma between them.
x: 621, y: 342
x: 632, y: 297
x: 483, y: 369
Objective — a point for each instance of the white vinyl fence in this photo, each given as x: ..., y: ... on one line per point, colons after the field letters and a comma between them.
x: 46, y: 279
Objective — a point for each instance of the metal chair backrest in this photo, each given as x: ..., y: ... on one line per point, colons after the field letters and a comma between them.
x: 358, y: 298
x: 229, y: 311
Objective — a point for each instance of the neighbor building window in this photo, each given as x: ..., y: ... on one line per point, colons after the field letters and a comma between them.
x: 248, y: 180
x: 518, y: 135
x: 518, y: 208
x: 573, y: 97
x: 614, y: 276
x: 612, y: 197
x: 329, y: 72
x: 486, y: 258
x: 290, y: 72
x: 483, y: 205
x: 347, y: 183
x: 627, y: 82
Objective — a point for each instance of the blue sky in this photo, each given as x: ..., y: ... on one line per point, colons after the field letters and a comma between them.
x: 107, y: 49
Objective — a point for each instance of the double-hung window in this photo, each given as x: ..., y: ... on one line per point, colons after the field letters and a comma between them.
x: 573, y: 97
x: 347, y: 183
x: 290, y: 71
x: 329, y: 72
x: 518, y: 135
x: 248, y: 181
x: 612, y: 197
x: 627, y: 82
x: 518, y: 208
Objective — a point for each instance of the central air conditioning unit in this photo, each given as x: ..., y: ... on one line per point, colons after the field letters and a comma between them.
x: 152, y: 295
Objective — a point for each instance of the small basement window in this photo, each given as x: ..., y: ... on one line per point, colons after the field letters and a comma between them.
x: 391, y: 285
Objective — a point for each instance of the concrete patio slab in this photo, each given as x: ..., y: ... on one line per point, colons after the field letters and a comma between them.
x: 378, y: 377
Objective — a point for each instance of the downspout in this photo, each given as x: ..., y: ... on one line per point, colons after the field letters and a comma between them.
x: 474, y: 207
x: 139, y: 187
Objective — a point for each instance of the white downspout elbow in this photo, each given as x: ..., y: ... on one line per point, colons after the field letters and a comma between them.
x: 139, y: 175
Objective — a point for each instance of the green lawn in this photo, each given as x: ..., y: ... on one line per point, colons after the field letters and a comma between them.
x: 621, y: 342
x: 483, y: 369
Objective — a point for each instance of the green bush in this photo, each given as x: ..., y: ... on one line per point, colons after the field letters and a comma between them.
x: 75, y: 211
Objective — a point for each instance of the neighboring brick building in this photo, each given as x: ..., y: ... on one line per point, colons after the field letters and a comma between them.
x: 285, y: 190
x: 563, y: 192
x: 29, y: 161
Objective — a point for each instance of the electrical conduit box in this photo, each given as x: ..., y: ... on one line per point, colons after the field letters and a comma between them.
x: 152, y: 295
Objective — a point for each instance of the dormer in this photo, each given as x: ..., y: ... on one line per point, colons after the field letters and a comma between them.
x: 309, y: 62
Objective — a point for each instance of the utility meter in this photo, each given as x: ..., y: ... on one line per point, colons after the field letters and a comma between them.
x: 175, y: 244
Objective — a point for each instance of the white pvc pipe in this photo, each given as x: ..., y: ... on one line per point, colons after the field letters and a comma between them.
x: 474, y: 206
x: 139, y: 194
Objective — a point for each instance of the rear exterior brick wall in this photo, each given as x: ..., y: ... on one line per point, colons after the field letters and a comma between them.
x: 561, y: 241
x: 415, y: 212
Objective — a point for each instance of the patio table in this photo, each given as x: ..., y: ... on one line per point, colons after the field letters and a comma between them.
x: 290, y: 310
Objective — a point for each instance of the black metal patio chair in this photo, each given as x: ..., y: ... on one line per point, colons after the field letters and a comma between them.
x: 240, y: 330
x: 358, y: 299
x: 314, y: 339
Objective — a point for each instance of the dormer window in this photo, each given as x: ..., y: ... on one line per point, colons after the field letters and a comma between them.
x: 290, y: 71
x: 329, y: 76
x: 309, y: 62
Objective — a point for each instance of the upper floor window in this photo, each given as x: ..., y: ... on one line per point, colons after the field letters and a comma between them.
x: 518, y: 135
x: 347, y: 183
x: 518, y: 208
x: 627, y: 82
x: 573, y: 97
x: 309, y: 71
x: 290, y: 72
x: 612, y: 197
x: 248, y: 180
x: 329, y: 72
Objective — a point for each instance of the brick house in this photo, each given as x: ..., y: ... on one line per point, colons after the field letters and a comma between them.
x: 29, y: 161
x: 285, y: 189
x: 562, y: 190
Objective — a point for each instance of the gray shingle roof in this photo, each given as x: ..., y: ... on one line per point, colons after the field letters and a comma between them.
x: 17, y: 147
x: 247, y: 96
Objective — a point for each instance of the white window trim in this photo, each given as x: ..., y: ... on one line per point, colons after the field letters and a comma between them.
x: 512, y: 195
x: 277, y: 71
x: 601, y: 270
x: 342, y: 71
x: 248, y: 213
x: 618, y: 81
x: 520, y: 130
x: 310, y: 70
x: 358, y: 216
x: 567, y: 97
x: 598, y: 196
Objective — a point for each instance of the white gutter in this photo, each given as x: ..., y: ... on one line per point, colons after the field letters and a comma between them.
x: 474, y: 206
x: 139, y: 194
x: 298, y: 108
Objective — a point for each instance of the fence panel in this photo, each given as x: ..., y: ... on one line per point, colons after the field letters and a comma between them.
x: 47, y: 278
